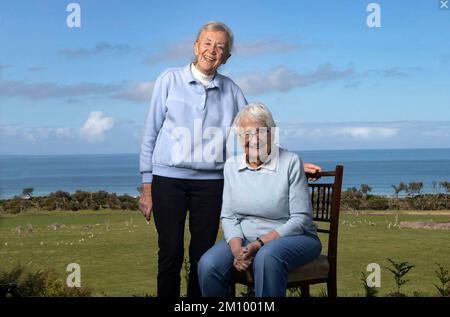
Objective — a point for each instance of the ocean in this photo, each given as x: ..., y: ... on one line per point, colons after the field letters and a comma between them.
x: 119, y: 173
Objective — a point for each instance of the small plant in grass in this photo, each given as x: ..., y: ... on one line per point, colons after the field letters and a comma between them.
x: 444, y: 279
x: 294, y: 292
x: 322, y: 293
x: 249, y: 292
x: 399, y: 270
x: 370, y: 291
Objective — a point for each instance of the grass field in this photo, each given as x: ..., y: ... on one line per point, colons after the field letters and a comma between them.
x: 117, y: 250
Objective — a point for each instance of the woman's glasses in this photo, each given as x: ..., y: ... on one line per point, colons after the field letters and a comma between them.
x: 257, y: 132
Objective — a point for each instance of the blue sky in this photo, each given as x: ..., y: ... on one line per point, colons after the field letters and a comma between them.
x: 331, y: 81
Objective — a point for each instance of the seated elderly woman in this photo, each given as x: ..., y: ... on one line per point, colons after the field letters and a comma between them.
x: 266, y: 213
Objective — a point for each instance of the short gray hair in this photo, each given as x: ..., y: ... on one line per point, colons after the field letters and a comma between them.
x: 258, y: 111
x: 218, y: 26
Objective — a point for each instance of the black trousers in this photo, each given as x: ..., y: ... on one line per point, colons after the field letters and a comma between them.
x: 172, y: 198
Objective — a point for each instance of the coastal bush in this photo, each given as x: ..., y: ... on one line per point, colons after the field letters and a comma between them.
x: 377, y: 203
x: 62, y: 200
x: 351, y: 199
x: 15, y: 205
x: 42, y: 283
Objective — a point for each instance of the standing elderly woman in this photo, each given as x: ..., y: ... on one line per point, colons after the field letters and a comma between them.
x: 188, y: 101
x: 266, y: 213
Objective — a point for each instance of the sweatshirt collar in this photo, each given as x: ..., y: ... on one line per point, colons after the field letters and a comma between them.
x: 269, y: 165
x: 216, y: 82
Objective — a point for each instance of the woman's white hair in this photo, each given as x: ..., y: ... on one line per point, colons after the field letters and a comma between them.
x: 258, y: 111
x: 218, y: 26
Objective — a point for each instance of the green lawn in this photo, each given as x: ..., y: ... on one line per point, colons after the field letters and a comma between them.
x: 117, y: 250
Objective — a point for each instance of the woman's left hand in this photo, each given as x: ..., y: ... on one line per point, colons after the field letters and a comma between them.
x: 311, y: 169
x: 251, y: 250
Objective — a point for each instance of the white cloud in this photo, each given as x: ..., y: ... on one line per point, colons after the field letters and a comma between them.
x: 9, y: 130
x: 35, y: 134
x: 365, y: 132
x: 93, y: 131
x: 349, y: 130
x: 394, y: 71
x: 99, y: 48
x: 364, y: 135
x: 43, y: 132
x: 184, y: 50
x: 46, y: 90
x: 137, y: 92
x: 265, y: 46
x: 172, y: 52
x: 437, y: 132
x: 95, y: 127
x: 64, y: 133
x: 282, y: 79
x: 127, y: 135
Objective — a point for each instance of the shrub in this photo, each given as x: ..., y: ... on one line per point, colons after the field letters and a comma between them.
x: 399, y: 270
x: 377, y: 203
x: 369, y: 291
x: 414, y: 188
x: 41, y: 283
x: 444, y: 279
x: 351, y: 198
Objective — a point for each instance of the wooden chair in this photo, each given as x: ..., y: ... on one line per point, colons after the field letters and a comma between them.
x: 325, y: 199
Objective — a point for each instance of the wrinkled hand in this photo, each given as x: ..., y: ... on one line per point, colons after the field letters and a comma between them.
x: 311, y: 169
x: 146, y: 202
x: 250, y: 250
x: 242, y: 260
x: 242, y: 265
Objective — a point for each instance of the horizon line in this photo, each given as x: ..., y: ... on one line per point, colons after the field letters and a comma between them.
x: 297, y: 150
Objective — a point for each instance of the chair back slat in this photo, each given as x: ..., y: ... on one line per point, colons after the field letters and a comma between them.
x: 318, y: 209
x: 328, y: 201
x: 322, y: 195
x: 321, y: 201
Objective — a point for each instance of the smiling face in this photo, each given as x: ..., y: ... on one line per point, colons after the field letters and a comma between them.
x: 256, y: 140
x: 211, y: 50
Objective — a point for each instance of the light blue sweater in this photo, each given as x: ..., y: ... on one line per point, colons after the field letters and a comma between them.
x: 273, y: 197
x: 181, y: 103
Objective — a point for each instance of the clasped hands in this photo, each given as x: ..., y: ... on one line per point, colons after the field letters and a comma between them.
x: 243, y: 256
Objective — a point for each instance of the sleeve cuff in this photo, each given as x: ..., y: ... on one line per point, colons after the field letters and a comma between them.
x: 147, y: 177
x: 284, y: 231
x: 234, y: 236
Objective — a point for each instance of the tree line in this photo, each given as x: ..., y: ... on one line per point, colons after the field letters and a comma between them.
x: 352, y: 199
x: 360, y: 198
x: 62, y: 200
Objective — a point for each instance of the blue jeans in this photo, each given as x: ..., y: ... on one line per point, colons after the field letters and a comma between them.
x: 271, y: 265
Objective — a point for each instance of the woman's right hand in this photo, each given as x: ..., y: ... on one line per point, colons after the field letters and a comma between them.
x: 242, y: 260
x: 145, y: 201
x: 242, y: 265
x: 239, y: 252
x: 235, y: 246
